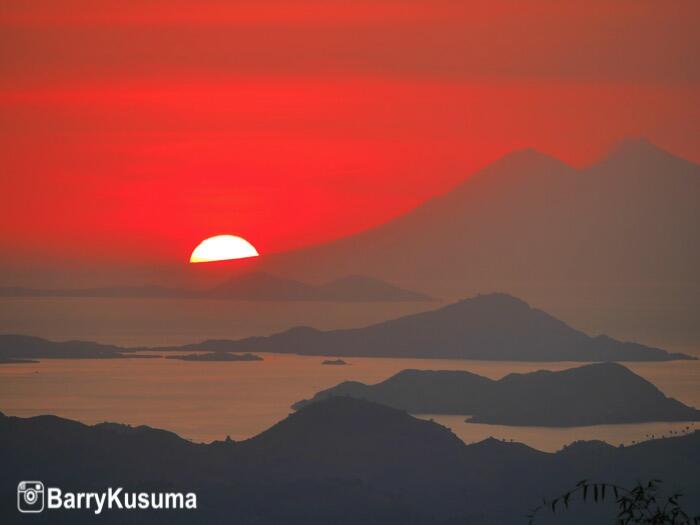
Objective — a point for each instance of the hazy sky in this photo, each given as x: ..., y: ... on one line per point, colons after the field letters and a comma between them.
x: 130, y: 130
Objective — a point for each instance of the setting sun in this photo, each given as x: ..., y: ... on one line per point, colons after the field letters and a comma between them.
x: 222, y: 248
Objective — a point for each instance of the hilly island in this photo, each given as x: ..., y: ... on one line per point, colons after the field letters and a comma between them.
x: 488, y: 327
x: 597, y: 394
x: 495, y: 327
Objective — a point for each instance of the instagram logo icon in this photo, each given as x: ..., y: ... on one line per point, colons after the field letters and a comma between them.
x: 30, y: 496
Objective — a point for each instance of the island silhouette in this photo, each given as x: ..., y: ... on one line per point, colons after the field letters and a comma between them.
x: 596, y: 394
x: 488, y: 327
x: 334, y: 362
x: 253, y: 286
x: 495, y: 327
x: 216, y: 356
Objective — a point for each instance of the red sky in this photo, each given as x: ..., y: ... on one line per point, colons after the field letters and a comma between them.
x: 130, y: 130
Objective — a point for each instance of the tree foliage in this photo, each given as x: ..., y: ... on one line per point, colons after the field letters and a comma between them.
x: 641, y: 505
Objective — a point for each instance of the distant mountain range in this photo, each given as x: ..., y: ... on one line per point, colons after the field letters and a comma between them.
x: 529, y: 218
x: 488, y: 327
x: 342, y: 461
x: 616, y: 240
x: 612, y: 240
x: 256, y: 286
x: 597, y: 394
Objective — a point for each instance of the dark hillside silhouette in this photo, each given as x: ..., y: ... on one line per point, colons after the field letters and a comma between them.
x: 338, y: 461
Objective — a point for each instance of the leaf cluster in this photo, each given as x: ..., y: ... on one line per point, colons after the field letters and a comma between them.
x: 643, y: 504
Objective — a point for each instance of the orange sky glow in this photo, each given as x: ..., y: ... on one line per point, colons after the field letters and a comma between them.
x: 130, y: 131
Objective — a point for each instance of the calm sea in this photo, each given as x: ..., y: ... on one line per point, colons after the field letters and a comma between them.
x: 207, y: 401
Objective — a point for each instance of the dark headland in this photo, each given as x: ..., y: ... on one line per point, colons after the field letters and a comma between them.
x: 14, y: 347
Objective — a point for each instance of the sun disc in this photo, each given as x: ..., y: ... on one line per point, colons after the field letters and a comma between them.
x: 222, y: 248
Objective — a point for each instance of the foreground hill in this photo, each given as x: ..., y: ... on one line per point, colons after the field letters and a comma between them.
x: 341, y: 461
x: 597, y: 394
x: 256, y: 286
x: 489, y: 327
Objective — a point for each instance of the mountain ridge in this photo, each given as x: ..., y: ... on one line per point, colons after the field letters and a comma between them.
x: 623, y: 226
x: 491, y: 327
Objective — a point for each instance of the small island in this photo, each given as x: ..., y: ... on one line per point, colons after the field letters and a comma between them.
x: 334, y: 362
x: 216, y: 356
x: 12, y: 360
